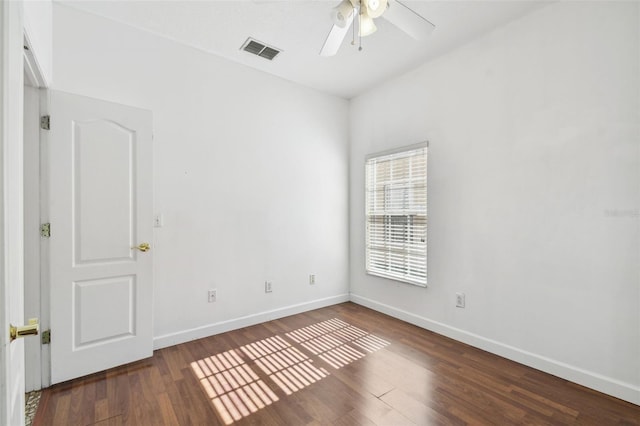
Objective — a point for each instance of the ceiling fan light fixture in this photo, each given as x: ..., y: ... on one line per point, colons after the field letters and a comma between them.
x: 341, y: 13
x: 364, y: 11
x: 367, y: 26
x: 375, y: 8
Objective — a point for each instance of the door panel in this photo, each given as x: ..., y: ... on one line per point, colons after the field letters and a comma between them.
x: 94, y: 323
x: 11, y: 213
x: 103, y: 233
x: 100, y: 209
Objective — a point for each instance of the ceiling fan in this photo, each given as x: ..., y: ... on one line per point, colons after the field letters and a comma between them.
x: 366, y: 11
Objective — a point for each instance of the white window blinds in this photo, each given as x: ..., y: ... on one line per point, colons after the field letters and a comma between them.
x: 396, y: 210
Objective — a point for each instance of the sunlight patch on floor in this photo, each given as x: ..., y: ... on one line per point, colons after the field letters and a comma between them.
x: 285, y: 365
x: 334, y: 340
x: 234, y: 388
x: 237, y: 390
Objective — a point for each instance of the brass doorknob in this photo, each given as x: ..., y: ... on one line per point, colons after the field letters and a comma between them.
x: 25, y: 330
x: 143, y: 247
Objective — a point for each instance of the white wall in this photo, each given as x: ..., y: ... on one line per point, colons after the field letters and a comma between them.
x: 251, y: 175
x: 37, y: 27
x: 534, y: 192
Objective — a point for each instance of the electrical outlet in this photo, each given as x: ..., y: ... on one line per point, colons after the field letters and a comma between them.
x: 213, y: 295
x: 312, y: 279
x: 459, y: 300
x: 268, y: 286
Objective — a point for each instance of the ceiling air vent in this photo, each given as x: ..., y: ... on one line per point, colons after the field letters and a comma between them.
x: 260, y: 49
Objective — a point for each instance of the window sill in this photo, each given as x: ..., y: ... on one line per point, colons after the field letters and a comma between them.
x: 402, y: 280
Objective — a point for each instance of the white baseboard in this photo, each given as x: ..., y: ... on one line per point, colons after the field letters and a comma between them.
x: 176, y: 338
x: 613, y: 387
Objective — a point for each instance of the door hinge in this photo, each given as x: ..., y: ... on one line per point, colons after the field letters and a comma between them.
x: 45, y: 230
x: 45, y: 122
x: 46, y: 337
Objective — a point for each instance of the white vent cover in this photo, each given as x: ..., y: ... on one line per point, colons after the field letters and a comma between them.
x: 258, y: 48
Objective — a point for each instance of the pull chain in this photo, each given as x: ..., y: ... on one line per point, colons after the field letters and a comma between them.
x: 360, y: 27
x: 353, y: 27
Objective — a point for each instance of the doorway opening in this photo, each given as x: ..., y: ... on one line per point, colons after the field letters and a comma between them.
x: 37, y: 375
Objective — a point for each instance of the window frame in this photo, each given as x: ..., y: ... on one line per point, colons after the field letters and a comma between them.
x: 388, y: 238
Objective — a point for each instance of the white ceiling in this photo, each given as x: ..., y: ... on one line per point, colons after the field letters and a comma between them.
x: 299, y: 28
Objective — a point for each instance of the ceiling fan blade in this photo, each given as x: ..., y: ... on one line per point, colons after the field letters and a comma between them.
x: 408, y: 20
x: 335, y: 38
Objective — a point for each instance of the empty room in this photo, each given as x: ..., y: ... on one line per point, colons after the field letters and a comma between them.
x: 340, y: 212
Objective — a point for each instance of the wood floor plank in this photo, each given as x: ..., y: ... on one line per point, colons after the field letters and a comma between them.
x: 61, y: 410
x: 167, y: 410
x: 363, y: 378
x: 82, y: 403
x: 340, y: 365
x: 101, y: 410
x: 111, y: 421
x: 394, y: 418
x: 353, y: 418
x: 413, y: 409
x: 373, y: 408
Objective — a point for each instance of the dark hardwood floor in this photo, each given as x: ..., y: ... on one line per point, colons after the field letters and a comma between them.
x: 341, y: 365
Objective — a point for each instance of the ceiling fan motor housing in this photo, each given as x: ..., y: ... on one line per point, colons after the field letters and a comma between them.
x: 375, y: 8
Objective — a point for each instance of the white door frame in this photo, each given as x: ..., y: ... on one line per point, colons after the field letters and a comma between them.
x: 4, y: 290
x: 37, y: 364
x: 11, y: 286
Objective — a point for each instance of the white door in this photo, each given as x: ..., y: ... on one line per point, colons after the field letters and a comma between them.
x: 11, y: 254
x: 100, y: 210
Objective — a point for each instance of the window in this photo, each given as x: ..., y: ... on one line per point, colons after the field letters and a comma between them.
x: 396, y: 210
